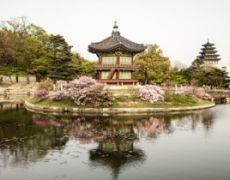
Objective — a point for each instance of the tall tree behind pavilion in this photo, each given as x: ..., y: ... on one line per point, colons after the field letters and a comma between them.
x: 154, y: 67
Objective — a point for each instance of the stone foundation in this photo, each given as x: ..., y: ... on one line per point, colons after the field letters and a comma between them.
x: 110, y: 111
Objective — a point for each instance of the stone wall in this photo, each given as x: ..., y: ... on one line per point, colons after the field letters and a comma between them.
x: 12, y: 79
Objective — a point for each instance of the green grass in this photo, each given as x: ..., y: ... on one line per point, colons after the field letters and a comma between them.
x: 131, y: 102
x: 142, y: 104
x: 178, y: 99
x: 47, y: 102
x: 171, y: 100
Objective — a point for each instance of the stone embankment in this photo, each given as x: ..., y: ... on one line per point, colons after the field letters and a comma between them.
x: 109, y: 111
x: 16, y: 93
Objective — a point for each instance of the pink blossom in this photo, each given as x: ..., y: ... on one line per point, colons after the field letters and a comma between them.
x: 40, y: 93
x: 56, y: 95
x: 83, y: 81
x: 151, y: 93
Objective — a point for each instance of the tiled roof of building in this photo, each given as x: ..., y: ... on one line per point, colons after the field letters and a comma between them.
x: 116, y: 42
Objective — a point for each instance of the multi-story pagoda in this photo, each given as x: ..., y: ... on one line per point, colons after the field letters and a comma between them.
x: 116, y: 58
x: 209, y: 54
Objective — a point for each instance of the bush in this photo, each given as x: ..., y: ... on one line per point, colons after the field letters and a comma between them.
x: 151, y: 93
x: 48, y: 85
x: 83, y: 91
x: 194, y: 91
x: 93, y: 95
x: 83, y: 81
x: 40, y: 94
x: 178, y: 99
x: 56, y: 95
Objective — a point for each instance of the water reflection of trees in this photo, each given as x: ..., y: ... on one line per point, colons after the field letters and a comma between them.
x: 26, y: 137
x: 22, y: 142
x: 190, y: 121
x: 7, y: 106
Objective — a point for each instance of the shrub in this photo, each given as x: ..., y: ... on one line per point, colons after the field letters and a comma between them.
x: 40, y: 93
x: 85, y: 91
x: 56, y: 95
x: 93, y: 95
x: 151, y: 93
x: 178, y: 99
x: 193, y: 91
x: 83, y: 81
x: 46, y: 84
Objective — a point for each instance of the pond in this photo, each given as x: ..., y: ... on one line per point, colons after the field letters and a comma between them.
x: 164, y: 147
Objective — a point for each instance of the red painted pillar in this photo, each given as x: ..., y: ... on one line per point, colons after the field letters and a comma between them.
x: 99, y: 75
x: 118, y: 60
x: 117, y: 75
x: 100, y: 59
x: 132, y: 64
x: 132, y: 60
x: 100, y: 63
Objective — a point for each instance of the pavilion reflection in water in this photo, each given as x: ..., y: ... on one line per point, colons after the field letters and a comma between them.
x: 116, y: 150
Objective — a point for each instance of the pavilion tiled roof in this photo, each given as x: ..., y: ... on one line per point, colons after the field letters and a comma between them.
x: 116, y: 42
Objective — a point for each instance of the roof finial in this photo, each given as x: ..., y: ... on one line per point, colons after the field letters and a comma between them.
x: 208, y: 40
x: 115, y: 29
x: 115, y: 26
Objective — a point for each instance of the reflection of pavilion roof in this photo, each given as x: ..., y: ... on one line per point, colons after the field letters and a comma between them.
x: 116, y: 160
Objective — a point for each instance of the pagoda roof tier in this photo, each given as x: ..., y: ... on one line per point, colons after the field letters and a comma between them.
x: 209, y: 55
x: 114, y: 43
x: 211, y: 49
x: 205, y: 58
x: 208, y: 59
x: 208, y: 44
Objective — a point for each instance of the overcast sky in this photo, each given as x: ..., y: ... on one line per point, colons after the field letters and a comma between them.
x: 179, y: 27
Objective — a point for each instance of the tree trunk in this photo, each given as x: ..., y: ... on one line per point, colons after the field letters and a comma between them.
x: 146, y: 77
x: 27, y: 78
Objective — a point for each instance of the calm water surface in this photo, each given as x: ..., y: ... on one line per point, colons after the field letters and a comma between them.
x: 192, y: 146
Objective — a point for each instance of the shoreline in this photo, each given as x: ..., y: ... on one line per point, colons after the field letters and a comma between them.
x: 110, y: 111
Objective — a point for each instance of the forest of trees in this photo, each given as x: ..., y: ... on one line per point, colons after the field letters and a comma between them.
x: 155, y: 68
x: 200, y: 75
x: 27, y: 49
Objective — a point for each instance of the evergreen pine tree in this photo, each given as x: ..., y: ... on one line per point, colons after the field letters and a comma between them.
x: 60, y: 59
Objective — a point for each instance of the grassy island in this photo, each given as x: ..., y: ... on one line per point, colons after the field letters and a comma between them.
x: 84, y: 93
x: 119, y: 104
x: 129, y: 102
